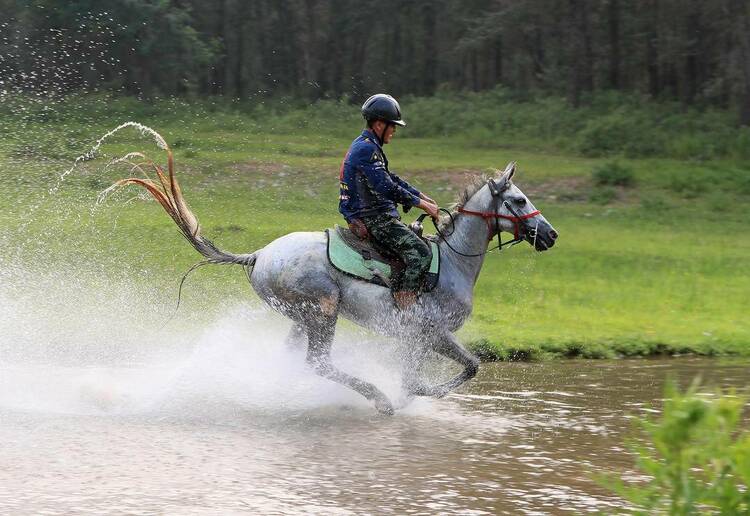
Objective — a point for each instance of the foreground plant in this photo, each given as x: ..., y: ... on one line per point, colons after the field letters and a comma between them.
x: 697, y: 455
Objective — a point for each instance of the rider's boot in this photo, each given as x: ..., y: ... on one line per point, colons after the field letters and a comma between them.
x: 404, y: 298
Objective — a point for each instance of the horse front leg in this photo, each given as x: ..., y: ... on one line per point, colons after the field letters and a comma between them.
x: 320, y: 332
x: 447, y: 345
x: 297, y: 338
x: 413, y: 359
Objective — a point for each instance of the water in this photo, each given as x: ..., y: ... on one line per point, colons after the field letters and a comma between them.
x: 111, y: 414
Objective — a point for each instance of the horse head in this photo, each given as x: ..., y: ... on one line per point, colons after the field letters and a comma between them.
x: 506, y: 208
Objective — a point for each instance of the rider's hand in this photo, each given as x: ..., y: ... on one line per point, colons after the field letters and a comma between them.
x: 430, y: 207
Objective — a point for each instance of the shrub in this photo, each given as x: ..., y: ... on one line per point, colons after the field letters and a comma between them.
x: 609, y: 124
x: 603, y: 195
x: 740, y: 148
x: 686, y: 185
x: 695, y: 453
x: 613, y: 173
x: 743, y: 183
x: 621, y: 131
x: 654, y: 203
x: 693, y: 146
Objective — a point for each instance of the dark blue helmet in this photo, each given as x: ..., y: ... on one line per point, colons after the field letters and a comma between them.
x: 382, y: 107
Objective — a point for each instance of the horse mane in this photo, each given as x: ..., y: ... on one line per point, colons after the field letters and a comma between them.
x: 473, y: 185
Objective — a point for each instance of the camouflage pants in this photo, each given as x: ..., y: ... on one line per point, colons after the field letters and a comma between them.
x: 392, y: 235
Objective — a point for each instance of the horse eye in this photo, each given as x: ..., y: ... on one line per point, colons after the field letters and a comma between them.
x: 521, y: 201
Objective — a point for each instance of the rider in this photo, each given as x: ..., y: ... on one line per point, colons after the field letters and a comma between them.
x: 369, y: 193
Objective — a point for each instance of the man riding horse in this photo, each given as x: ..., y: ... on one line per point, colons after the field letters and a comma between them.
x: 370, y: 193
x: 295, y: 275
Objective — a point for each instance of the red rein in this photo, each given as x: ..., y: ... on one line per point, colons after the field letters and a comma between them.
x: 488, y: 215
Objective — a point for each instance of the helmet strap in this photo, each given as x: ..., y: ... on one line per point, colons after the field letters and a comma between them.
x: 381, y: 136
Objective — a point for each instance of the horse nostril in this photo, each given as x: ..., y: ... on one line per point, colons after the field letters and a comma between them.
x: 553, y: 234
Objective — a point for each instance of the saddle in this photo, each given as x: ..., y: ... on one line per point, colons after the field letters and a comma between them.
x: 359, y: 258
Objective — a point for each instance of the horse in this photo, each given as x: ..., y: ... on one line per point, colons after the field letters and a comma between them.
x: 294, y: 276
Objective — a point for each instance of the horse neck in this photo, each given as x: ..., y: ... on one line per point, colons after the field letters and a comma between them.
x: 468, y: 237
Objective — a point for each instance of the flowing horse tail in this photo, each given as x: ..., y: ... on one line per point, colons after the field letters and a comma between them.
x: 167, y: 192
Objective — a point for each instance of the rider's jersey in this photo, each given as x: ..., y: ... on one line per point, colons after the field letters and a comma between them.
x: 367, y: 187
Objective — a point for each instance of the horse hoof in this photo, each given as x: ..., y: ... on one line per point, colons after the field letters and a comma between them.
x: 431, y: 392
x: 440, y: 393
x: 418, y: 389
x: 383, y: 406
x: 436, y: 392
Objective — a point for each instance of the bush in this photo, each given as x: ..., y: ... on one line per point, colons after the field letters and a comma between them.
x: 685, y: 185
x: 743, y: 183
x: 654, y: 203
x: 602, y: 195
x: 696, y: 455
x: 622, y: 131
x: 613, y: 174
x: 740, y: 148
x: 611, y: 124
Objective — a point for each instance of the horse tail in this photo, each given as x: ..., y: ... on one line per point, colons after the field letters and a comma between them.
x: 168, y: 193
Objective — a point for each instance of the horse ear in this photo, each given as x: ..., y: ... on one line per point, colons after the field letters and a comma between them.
x: 507, y: 174
x: 510, y: 170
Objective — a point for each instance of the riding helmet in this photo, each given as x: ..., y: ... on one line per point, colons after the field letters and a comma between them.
x: 382, y: 107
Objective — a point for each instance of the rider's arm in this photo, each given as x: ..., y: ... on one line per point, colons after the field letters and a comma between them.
x: 422, y: 205
x: 403, y: 184
x: 379, y: 180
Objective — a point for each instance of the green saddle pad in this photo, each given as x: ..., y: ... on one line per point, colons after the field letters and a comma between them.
x: 353, y: 261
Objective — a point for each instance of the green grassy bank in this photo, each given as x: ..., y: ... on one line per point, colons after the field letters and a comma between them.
x: 653, y: 252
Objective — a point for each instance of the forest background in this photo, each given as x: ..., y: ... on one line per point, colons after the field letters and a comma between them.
x: 695, y: 52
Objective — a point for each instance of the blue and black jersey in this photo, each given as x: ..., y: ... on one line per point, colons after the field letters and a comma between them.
x: 367, y: 187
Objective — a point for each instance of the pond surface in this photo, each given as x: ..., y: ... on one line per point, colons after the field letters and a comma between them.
x: 144, y: 439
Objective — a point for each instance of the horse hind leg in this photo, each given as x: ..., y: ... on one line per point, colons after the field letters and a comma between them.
x: 449, y: 347
x: 320, y: 331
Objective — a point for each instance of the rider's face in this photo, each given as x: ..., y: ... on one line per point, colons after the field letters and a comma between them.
x: 389, y: 132
x: 384, y: 131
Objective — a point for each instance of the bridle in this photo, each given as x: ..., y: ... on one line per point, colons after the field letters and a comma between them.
x: 521, y: 230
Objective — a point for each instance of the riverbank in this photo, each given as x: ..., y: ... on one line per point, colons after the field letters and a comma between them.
x: 652, y: 257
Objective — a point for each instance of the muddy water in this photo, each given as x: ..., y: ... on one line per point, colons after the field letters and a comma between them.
x: 145, y: 439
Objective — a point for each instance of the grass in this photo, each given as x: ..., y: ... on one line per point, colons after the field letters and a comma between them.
x: 656, y: 264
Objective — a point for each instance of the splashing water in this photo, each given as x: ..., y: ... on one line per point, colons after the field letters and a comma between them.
x: 78, y: 344
x: 104, y: 194
x: 69, y: 346
x: 113, y: 360
x: 94, y: 151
